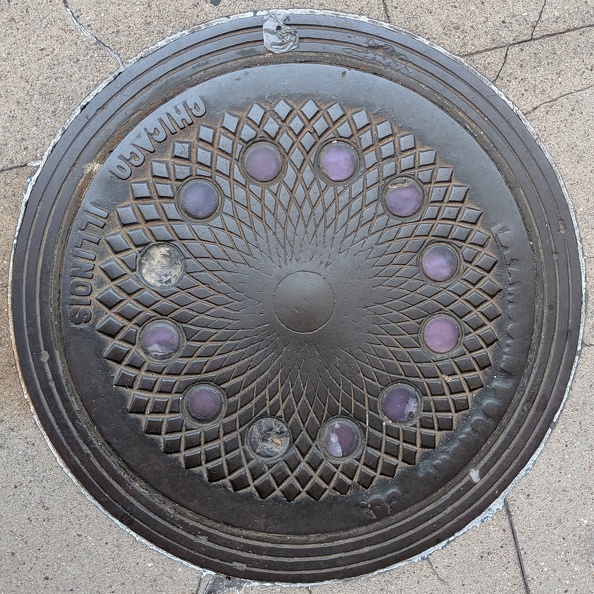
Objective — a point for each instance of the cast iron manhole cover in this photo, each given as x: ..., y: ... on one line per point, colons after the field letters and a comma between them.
x: 296, y: 298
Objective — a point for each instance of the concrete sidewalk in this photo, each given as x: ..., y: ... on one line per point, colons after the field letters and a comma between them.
x: 53, y: 53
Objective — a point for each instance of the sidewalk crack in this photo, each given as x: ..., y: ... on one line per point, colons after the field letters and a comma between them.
x: 385, y: 5
x: 13, y: 167
x: 90, y: 35
x: 524, y: 41
x: 517, y: 547
x: 442, y: 580
x: 557, y: 98
x: 502, y: 64
x: 544, y: 4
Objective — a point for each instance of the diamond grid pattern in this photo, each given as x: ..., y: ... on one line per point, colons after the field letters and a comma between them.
x: 223, y: 306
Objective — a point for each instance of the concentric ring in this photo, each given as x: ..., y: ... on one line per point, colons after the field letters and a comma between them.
x: 83, y: 288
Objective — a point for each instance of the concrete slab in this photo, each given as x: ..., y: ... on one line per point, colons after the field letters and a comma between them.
x: 565, y: 127
x: 413, y: 577
x: 46, y: 69
x: 488, y: 63
x: 481, y: 558
x: 562, y: 15
x: 469, y: 26
x: 259, y: 589
x: 542, y: 70
x: 553, y: 508
x: 55, y: 541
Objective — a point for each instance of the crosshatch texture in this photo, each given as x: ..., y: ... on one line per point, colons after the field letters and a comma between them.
x: 224, y: 303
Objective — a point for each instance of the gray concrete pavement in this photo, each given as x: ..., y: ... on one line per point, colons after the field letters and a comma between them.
x: 54, y: 53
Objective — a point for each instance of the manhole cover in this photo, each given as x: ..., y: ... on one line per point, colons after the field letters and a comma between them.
x: 296, y: 297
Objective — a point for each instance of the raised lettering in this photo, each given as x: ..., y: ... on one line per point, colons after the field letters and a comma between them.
x: 82, y: 269
x: 80, y: 288
x: 121, y: 169
x: 80, y: 315
x: 87, y: 219
x: 83, y: 264
x: 175, y: 118
x: 166, y: 123
x: 91, y: 208
x: 158, y: 134
x: 78, y: 253
x: 197, y: 107
x: 135, y: 158
x: 180, y: 116
x: 144, y: 142
x: 86, y: 237
x: 380, y: 506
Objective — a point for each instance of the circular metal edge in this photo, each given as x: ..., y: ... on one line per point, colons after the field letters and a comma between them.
x: 497, y: 503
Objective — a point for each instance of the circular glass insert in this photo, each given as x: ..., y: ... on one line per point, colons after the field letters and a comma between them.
x: 338, y: 161
x: 439, y: 262
x: 161, y: 265
x: 262, y: 161
x: 199, y: 199
x: 203, y: 403
x: 400, y: 403
x: 160, y: 339
x: 403, y: 197
x: 441, y: 334
x: 340, y: 439
x: 268, y: 438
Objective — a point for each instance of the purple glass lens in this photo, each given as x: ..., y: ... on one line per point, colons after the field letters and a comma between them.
x: 338, y: 161
x: 199, y: 199
x: 263, y: 162
x: 341, y: 438
x: 403, y: 197
x: 439, y: 262
x: 441, y: 334
x: 400, y: 403
x: 203, y: 402
x: 160, y: 339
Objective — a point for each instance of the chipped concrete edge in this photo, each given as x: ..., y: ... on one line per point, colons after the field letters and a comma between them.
x: 78, y: 24
x: 498, y: 504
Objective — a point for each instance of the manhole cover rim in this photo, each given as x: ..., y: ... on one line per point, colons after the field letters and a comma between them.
x: 44, y: 177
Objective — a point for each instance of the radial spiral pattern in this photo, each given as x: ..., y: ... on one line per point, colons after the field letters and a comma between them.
x: 300, y: 223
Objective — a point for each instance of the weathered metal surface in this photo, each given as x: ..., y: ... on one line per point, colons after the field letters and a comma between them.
x: 296, y: 301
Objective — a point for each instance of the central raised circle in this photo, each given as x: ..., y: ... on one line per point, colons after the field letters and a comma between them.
x: 303, y: 301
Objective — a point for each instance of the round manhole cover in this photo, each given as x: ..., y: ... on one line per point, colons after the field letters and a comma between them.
x: 296, y: 296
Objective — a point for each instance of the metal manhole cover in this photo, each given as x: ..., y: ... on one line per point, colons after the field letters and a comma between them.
x: 296, y: 299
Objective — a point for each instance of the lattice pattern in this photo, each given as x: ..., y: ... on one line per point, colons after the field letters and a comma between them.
x: 224, y: 302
